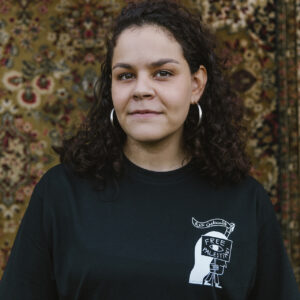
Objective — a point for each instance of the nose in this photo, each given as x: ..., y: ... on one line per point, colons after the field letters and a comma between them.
x: 143, y: 88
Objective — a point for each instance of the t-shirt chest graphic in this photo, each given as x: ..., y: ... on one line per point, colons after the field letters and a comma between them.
x: 212, y: 253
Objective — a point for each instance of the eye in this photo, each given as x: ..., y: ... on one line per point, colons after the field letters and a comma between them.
x: 163, y: 74
x: 125, y: 76
x: 216, y: 248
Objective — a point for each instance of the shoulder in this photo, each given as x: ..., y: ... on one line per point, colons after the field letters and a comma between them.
x: 55, y: 174
x: 58, y: 178
x: 250, y: 193
x: 60, y: 170
x: 252, y: 186
x: 256, y: 188
x: 251, y: 183
x: 264, y: 207
x: 246, y: 188
x: 57, y: 170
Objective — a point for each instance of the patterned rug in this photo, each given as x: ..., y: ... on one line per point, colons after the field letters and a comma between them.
x: 50, y: 54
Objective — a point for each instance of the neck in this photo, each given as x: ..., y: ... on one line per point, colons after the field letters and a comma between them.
x: 156, y: 156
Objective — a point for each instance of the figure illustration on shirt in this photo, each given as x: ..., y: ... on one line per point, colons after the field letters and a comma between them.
x: 212, y: 253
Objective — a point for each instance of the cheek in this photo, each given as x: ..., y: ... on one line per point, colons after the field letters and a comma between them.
x: 178, y: 101
x: 114, y: 93
x: 118, y: 98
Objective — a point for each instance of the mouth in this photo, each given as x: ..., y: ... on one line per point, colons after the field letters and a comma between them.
x: 144, y: 112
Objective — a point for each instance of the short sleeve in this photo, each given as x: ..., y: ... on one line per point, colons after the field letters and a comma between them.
x: 29, y: 274
x: 274, y: 275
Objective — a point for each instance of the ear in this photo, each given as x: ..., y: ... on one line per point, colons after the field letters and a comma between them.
x: 199, y: 79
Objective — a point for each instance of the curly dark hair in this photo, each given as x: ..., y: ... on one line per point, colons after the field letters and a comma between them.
x: 217, y: 146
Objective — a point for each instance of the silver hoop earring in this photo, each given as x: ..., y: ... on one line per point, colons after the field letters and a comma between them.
x: 112, y: 117
x: 200, y: 114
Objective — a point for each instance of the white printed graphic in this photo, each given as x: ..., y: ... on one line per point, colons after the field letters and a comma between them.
x: 212, y: 253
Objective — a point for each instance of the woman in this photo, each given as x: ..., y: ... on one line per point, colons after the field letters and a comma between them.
x: 153, y: 199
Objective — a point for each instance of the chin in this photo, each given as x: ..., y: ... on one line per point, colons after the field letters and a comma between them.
x: 147, y: 137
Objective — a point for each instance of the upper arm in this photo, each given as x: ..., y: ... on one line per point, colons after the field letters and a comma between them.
x: 29, y: 271
x: 274, y: 275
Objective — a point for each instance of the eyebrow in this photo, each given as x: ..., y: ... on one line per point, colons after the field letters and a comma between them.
x: 153, y: 64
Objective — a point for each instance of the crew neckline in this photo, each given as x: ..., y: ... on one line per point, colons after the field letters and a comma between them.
x: 158, y: 177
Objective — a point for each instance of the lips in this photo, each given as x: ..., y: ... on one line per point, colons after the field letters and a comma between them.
x: 144, y: 111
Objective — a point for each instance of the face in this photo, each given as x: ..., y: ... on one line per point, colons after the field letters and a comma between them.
x: 152, y: 86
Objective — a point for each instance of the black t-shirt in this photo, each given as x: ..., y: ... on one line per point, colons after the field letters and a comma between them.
x: 156, y: 235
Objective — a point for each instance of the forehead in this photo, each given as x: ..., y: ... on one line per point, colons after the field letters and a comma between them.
x: 146, y: 42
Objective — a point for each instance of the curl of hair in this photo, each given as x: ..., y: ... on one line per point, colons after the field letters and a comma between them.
x: 217, y: 146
